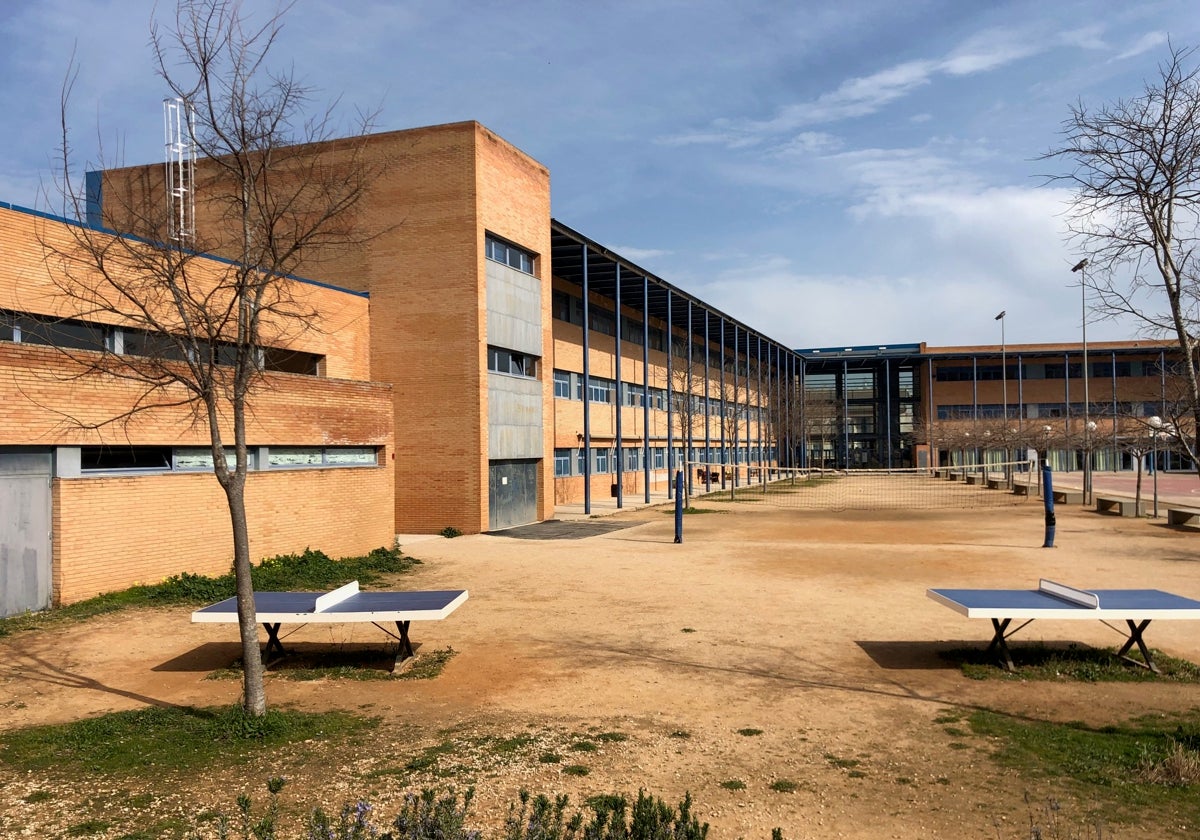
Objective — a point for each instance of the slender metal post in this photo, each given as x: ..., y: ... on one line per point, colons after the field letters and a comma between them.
x: 646, y: 387
x: 587, y: 396
x: 620, y: 473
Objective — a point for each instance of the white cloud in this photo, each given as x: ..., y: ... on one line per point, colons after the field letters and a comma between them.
x: 1143, y: 44
x: 639, y: 254
x: 862, y: 96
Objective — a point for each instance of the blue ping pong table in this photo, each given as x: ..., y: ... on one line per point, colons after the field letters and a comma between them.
x: 1051, y: 600
x: 345, y: 604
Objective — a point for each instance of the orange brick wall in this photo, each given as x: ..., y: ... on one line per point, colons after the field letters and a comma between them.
x: 436, y: 191
x: 113, y: 532
x: 335, y: 325
x: 514, y: 204
x: 47, y: 403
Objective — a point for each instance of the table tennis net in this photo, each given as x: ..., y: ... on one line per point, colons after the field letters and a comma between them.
x: 959, y: 487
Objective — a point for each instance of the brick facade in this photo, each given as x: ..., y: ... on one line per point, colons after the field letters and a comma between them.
x: 113, y: 530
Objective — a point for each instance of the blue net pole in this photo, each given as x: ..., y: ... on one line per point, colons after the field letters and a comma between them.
x: 1048, y: 501
x: 679, y: 506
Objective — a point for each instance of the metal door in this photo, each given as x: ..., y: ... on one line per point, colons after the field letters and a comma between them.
x: 25, y: 558
x: 512, y: 493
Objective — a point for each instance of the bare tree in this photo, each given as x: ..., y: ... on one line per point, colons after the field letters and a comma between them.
x: 686, y: 390
x: 205, y: 330
x: 1136, y: 210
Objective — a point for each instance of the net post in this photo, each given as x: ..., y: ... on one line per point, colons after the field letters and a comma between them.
x: 1048, y: 501
x: 679, y: 506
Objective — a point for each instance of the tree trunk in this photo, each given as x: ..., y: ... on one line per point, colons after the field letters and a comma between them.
x: 254, y: 696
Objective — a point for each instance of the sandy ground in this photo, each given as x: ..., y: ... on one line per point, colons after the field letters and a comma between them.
x: 813, y: 628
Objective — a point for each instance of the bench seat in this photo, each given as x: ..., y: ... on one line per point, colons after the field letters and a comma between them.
x: 1183, y: 516
x: 1116, y: 505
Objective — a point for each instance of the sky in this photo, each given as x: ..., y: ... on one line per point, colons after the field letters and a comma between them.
x: 830, y: 174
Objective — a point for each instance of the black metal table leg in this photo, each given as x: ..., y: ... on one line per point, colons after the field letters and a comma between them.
x: 273, y: 642
x: 1135, y: 638
x: 1000, y: 643
x: 406, y: 648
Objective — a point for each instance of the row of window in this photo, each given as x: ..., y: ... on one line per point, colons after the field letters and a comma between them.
x: 569, y: 462
x: 145, y: 459
x: 511, y: 362
x: 568, y: 307
x: 24, y: 328
x: 1032, y: 411
x: 1050, y: 370
x: 568, y: 385
x: 510, y: 255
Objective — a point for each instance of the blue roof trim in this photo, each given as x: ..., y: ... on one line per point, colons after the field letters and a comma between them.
x: 41, y: 214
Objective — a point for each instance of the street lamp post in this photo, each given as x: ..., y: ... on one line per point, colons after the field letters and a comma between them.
x: 1081, y: 267
x: 1004, y: 380
x: 1156, y: 424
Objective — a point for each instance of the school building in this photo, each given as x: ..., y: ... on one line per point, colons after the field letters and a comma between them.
x: 477, y: 364
x: 916, y: 405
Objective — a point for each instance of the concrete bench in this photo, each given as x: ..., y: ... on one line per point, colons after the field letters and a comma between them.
x: 1183, y: 516
x: 1113, y: 504
x: 1068, y: 497
x: 1021, y: 489
x: 996, y: 484
x: 973, y: 478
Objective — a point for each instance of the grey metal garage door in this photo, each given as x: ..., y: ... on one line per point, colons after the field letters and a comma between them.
x: 25, y: 559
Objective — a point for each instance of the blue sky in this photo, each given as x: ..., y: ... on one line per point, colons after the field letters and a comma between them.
x: 832, y: 174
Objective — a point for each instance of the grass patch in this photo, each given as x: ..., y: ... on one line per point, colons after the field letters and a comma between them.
x: 1079, y: 663
x: 1146, y: 765
x: 575, y: 770
x: 157, y: 740
x: 749, y: 732
x: 584, y: 746
x: 843, y: 763
x: 784, y: 786
x: 680, y: 733
x: 358, y: 663
x: 733, y: 784
x: 87, y: 828
x: 612, y: 737
x: 308, y: 571
x: 550, y: 758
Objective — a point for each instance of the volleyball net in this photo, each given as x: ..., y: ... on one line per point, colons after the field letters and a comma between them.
x: 962, y: 486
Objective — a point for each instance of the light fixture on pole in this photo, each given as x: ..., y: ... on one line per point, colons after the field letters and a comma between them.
x: 1156, y: 425
x: 1004, y: 382
x: 1087, y: 434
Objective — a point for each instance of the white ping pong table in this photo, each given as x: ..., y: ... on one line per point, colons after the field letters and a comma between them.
x: 1137, y: 607
x: 345, y: 604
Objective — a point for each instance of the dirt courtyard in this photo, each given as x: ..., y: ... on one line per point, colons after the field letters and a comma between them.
x: 771, y: 645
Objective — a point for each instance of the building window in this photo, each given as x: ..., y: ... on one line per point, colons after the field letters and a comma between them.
x: 68, y: 335
x: 562, y: 463
x: 125, y: 458
x: 600, y: 459
x: 511, y: 362
x: 201, y: 458
x: 294, y: 457
x: 510, y: 255
x: 599, y: 390
x: 562, y: 384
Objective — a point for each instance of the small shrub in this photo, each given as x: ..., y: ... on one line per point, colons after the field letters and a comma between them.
x: 575, y: 770
x: 450, y: 532
x: 733, y: 784
x: 612, y: 737
x: 549, y: 758
x: 749, y: 732
x: 784, y: 786
x: 584, y: 746
x: 1178, y: 767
